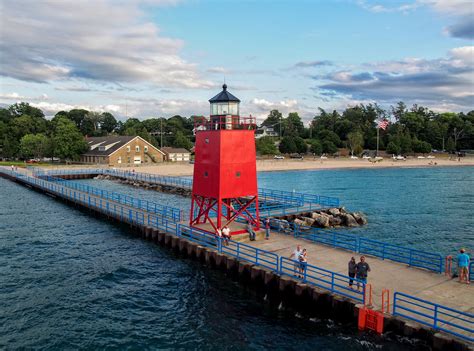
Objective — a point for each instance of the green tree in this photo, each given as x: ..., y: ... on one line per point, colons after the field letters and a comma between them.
x: 316, y: 147
x: 393, y: 148
x: 34, y: 145
x: 355, y: 141
x: 24, y: 108
x: 273, y: 120
x: 76, y: 115
x: 107, y: 122
x: 301, y: 146
x: 67, y: 141
x: 293, y: 125
x: 329, y: 147
x: 287, y: 145
x: 266, y: 146
x: 180, y: 140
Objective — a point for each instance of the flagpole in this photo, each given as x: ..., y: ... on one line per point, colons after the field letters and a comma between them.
x: 377, y: 152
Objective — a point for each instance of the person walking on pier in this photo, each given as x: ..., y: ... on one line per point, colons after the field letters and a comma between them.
x: 352, y: 268
x: 463, y: 264
x: 362, y: 270
x: 226, y: 235
x: 267, y: 229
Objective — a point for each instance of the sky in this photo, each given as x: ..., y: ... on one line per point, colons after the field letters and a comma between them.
x: 158, y: 58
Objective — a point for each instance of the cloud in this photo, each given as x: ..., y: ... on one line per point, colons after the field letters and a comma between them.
x: 305, y: 64
x: 445, y: 81
x: 102, y: 40
x: 463, y: 29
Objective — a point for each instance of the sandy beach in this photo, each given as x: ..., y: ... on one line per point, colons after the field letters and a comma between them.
x: 186, y: 169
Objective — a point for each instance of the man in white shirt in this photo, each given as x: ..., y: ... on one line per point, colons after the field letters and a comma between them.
x: 296, y: 256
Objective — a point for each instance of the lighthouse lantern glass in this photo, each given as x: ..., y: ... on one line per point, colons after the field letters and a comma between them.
x: 225, y: 108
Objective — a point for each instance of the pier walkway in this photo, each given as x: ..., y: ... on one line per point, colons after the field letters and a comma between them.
x: 420, y: 295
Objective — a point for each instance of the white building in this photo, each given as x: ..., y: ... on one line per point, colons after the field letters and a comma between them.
x: 176, y: 154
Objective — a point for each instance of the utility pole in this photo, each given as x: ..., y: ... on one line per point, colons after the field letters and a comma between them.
x: 161, y: 132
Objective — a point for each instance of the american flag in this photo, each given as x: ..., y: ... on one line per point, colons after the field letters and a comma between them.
x: 383, y: 124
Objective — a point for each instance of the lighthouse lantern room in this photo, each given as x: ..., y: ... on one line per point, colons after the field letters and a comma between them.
x: 225, y: 189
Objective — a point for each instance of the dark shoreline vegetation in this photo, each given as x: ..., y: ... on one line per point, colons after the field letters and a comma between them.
x: 25, y: 133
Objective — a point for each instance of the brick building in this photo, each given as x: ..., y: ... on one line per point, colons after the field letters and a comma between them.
x: 176, y: 154
x: 121, y: 151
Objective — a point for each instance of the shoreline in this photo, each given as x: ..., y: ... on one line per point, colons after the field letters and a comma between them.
x: 186, y: 169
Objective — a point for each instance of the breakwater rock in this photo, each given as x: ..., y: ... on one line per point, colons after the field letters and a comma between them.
x: 326, y: 218
x: 169, y: 189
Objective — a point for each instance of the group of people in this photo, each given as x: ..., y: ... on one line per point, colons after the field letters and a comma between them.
x: 224, y: 233
x: 358, y: 270
x: 301, y: 256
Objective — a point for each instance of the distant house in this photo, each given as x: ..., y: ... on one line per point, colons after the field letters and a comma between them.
x: 121, y: 151
x: 265, y: 131
x: 176, y: 154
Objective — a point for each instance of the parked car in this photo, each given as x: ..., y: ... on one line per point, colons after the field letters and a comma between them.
x: 430, y: 156
x: 279, y: 157
x: 366, y: 157
x: 354, y: 157
x: 296, y: 156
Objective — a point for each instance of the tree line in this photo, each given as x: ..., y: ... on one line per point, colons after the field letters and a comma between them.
x: 411, y: 130
x: 26, y: 133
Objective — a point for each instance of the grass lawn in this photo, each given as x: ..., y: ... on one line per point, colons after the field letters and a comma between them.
x: 23, y: 164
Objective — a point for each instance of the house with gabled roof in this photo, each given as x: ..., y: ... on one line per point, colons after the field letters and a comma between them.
x: 121, y: 151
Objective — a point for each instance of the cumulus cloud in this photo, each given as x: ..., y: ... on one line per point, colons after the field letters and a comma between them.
x: 460, y: 11
x: 446, y: 81
x: 101, y: 40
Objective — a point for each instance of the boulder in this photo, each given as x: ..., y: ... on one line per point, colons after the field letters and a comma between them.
x: 321, y: 221
x: 349, y: 220
x: 360, y: 218
x: 308, y: 221
x: 298, y: 221
x: 334, y: 211
x: 342, y: 210
x: 335, y: 221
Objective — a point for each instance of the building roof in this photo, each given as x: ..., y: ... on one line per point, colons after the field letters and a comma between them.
x: 175, y: 150
x: 224, y: 96
x: 105, y: 146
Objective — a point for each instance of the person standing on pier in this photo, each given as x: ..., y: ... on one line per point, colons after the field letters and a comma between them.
x: 250, y: 231
x: 296, y: 256
x: 352, y: 268
x: 362, y: 270
x: 463, y: 264
x: 267, y: 229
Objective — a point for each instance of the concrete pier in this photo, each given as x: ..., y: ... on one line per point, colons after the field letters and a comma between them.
x: 313, y: 301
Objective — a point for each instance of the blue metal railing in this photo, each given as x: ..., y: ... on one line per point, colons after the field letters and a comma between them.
x: 471, y: 270
x: 172, y: 213
x: 251, y: 254
x: 294, y: 198
x: 412, y: 257
x: 436, y: 316
x: 322, y: 278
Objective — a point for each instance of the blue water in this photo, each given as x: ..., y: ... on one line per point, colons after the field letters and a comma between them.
x: 427, y: 208
x: 72, y: 281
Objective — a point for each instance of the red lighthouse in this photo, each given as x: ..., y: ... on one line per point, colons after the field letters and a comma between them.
x: 225, y: 173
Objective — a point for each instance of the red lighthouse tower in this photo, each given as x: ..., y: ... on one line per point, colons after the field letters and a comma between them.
x: 225, y: 173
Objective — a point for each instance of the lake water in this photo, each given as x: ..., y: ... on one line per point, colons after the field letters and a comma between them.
x: 72, y: 281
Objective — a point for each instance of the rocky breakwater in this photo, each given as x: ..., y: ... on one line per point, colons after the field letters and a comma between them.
x: 327, y: 218
x: 152, y: 186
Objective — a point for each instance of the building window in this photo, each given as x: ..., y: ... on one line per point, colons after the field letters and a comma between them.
x: 128, y: 148
x: 119, y: 160
x: 145, y: 148
x: 128, y: 159
x: 237, y: 174
x: 205, y: 174
x: 137, y: 148
x: 207, y: 140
